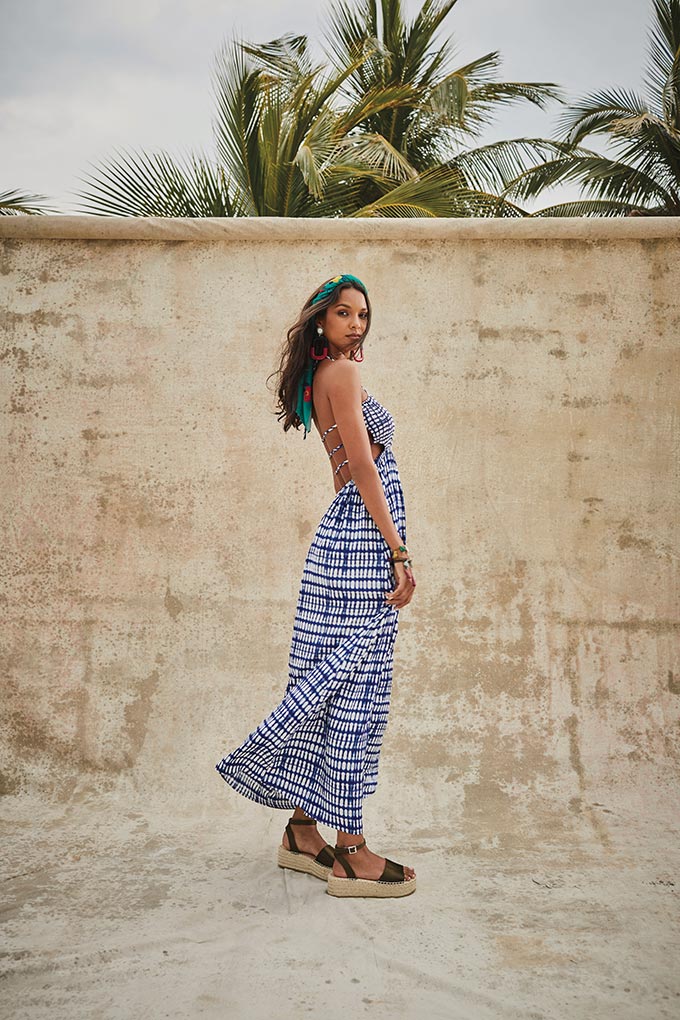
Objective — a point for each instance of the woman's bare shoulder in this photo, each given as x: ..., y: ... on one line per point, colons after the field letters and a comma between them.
x: 341, y: 374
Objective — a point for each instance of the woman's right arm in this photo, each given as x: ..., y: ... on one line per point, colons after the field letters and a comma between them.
x: 344, y: 394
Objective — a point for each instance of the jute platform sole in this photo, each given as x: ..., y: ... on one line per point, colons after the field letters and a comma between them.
x: 319, y: 866
x: 393, y: 881
x: 367, y: 887
x: 303, y: 862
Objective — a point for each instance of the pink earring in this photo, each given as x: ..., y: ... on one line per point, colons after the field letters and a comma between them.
x: 318, y: 357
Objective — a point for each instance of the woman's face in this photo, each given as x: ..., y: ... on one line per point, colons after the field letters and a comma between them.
x: 344, y: 323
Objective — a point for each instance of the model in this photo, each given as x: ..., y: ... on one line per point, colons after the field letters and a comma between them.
x: 317, y: 752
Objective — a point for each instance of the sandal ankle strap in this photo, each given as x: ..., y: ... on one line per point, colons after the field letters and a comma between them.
x: 349, y: 849
x: 343, y: 861
x: 291, y: 837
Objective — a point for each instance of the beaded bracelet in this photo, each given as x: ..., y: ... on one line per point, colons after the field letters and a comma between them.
x: 408, y: 559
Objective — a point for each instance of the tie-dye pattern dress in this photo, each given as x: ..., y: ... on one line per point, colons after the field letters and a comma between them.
x: 319, y: 748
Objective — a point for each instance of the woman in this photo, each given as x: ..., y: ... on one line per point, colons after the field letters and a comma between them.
x: 317, y: 752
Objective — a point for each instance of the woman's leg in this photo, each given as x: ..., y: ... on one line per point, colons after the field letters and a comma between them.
x: 299, y: 813
x: 308, y: 839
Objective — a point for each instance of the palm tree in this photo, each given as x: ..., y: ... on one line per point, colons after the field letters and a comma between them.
x: 280, y: 134
x: 278, y: 139
x: 372, y: 136
x: 451, y: 106
x: 14, y: 203
x: 643, y: 178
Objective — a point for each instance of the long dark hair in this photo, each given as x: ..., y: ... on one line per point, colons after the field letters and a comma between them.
x: 295, y: 351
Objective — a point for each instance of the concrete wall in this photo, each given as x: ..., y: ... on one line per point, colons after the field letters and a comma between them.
x: 156, y: 518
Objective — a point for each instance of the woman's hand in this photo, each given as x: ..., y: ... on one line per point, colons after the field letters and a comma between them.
x: 406, y: 583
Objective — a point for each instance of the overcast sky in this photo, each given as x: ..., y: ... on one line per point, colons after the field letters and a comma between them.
x: 79, y: 78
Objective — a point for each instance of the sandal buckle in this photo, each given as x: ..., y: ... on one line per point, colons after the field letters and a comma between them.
x: 352, y: 849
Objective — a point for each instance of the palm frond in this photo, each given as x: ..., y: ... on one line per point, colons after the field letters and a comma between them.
x: 17, y: 203
x: 505, y: 93
x: 601, y: 177
x: 276, y: 124
x: 436, y: 192
x: 420, y: 64
x: 157, y: 185
x: 480, y: 71
x: 661, y: 77
x: 237, y: 91
x: 318, y: 150
x: 599, y: 112
x: 394, y: 29
x: 375, y: 152
x: 589, y: 207
x: 287, y: 57
x: 376, y: 100
x: 349, y: 26
x: 343, y: 188
x: 454, y: 104
x: 332, y: 83
x: 495, y: 166
x: 670, y: 98
x: 656, y: 153
x: 531, y: 182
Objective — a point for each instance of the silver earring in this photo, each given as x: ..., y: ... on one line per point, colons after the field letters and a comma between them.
x: 319, y: 330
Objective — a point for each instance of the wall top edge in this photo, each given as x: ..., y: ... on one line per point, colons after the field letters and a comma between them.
x: 277, y: 228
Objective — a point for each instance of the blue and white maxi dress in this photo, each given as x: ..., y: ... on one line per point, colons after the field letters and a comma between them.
x: 319, y: 748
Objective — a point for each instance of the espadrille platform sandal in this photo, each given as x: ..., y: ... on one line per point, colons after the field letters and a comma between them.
x: 392, y: 882
x: 299, y: 860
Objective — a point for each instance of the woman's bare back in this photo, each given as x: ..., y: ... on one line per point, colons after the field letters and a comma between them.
x: 322, y: 415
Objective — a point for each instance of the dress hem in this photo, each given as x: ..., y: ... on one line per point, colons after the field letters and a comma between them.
x: 285, y: 803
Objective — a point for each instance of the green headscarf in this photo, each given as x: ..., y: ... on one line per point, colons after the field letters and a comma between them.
x: 303, y: 406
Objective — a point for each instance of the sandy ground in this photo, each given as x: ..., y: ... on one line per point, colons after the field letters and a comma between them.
x: 112, y: 912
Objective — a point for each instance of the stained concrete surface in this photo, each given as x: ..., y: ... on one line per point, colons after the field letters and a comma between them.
x: 112, y: 912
